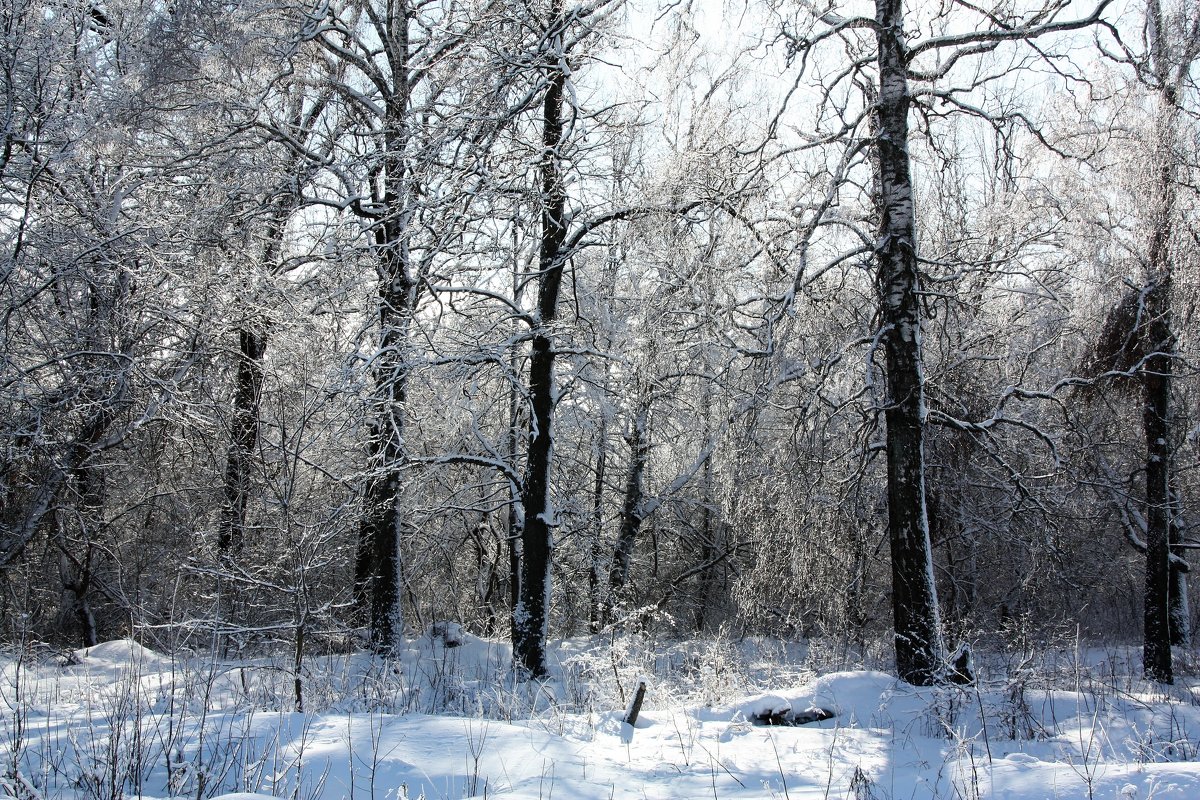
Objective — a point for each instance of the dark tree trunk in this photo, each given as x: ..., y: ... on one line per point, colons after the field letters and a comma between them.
x: 243, y: 440
x: 1156, y: 395
x: 247, y: 391
x: 632, y: 513
x: 530, y: 616
x: 919, y: 651
x: 377, y: 572
x: 1156, y: 382
x: 378, y: 565
x: 1171, y: 60
x: 75, y: 611
x: 79, y: 526
x: 596, y: 604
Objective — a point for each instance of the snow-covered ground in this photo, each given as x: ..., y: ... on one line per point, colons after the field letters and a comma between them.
x: 119, y: 720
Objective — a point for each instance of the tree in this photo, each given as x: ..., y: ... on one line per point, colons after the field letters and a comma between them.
x: 397, y: 88
x: 102, y: 335
x: 267, y: 231
x: 901, y: 61
x: 531, y: 613
x: 1172, y: 48
x: 919, y: 648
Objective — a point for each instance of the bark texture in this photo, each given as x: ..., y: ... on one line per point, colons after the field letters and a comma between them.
x: 1156, y: 413
x: 243, y: 440
x: 632, y: 513
x: 919, y: 650
x: 377, y: 572
x: 530, y: 616
x: 1174, y: 45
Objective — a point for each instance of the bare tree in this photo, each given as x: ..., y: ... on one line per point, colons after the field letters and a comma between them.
x: 395, y: 82
x: 1172, y: 48
x: 913, y: 72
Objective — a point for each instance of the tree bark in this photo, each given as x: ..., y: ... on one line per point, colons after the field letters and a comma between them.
x: 919, y: 650
x: 531, y: 614
x: 243, y: 439
x: 377, y: 573
x: 1174, y: 46
x: 248, y: 383
x: 1156, y: 397
x: 632, y: 513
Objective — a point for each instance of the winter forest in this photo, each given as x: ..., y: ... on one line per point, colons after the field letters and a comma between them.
x: 329, y: 324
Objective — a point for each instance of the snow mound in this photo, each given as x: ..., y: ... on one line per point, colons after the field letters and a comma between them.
x: 117, y: 653
x: 856, y: 699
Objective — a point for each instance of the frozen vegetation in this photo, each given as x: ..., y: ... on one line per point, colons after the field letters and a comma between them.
x: 119, y: 720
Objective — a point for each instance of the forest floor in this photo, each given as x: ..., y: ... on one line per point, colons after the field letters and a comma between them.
x: 119, y: 720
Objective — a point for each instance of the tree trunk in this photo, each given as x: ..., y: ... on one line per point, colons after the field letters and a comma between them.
x: 378, y: 564
x: 919, y: 650
x: 1156, y: 381
x: 247, y: 391
x: 75, y: 575
x: 378, y: 567
x: 596, y: 605
x: 531, y: 614
x: 1156, y: 396
x: 242, y: 441
x: 1165, y: 603
x: 79, y: 525
x: 632, y: 514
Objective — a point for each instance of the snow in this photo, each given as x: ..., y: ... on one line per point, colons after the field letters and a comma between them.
x: 119, y: 720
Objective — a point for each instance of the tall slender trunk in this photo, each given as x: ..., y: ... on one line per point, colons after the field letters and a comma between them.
x: 247, y: 393
x: 243, y: 439
x: 378, y: 565
x: 708, y: 528
x: 632, y: 513
x: 1174, y: 49
x: 1169, y: 63
x: 77, y: 553
x: 919, y: 649
x: 596, y: 603
x: 1156, y: 411
x: 79, y: 525
x: 531, y: 614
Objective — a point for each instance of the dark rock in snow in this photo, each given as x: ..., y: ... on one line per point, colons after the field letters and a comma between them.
x: 792, y: 718
x: 450, y: 633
